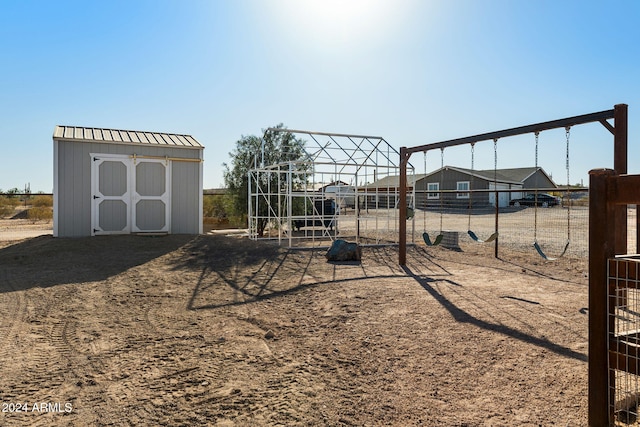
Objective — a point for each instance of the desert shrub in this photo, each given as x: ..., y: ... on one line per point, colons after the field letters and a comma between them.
x: 218, y: 211
x: 9, y: 201
x: 7, y: 206
x: 40, y: 213
x: 42, y: 201
x: 213, y: 206
x: 6, y: 211
x: 238, y: 221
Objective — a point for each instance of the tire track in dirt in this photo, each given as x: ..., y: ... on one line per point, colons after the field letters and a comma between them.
x: 171, y: 384
x: 97, y: 371
x: 26, y: 352
x: 82, y: 371
x: 14, y: 311
x: 160, y: 315
x: 148, y: 381
x: 239, y: 385
x: 40, y: 368
x: 120, y: 342
x: 252, y: 392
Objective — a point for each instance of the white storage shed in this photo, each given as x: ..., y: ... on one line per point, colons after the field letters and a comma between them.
x: 108, y: 181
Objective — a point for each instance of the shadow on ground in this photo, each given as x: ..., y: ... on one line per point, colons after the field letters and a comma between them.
x: 46, y: 261
x: 238, y: 271
x: 462, y: 316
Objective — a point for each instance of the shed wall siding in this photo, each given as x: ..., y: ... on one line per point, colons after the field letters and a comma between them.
x: 74, y: 185
x: 185, y: 217
x: 74, y: 191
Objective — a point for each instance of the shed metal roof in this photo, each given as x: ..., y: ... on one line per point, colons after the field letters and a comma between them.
x: 85, y: 134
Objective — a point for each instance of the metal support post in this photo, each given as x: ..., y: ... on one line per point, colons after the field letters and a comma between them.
x: 402, y: 220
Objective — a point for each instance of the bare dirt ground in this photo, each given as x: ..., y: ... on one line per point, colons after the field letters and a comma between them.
x: 223, y: 331
x: 16, y: 229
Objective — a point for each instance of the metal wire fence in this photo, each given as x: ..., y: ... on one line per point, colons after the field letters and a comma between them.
x: 518, y: 228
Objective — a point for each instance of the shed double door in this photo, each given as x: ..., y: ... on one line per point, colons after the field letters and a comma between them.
x: 129, y: 195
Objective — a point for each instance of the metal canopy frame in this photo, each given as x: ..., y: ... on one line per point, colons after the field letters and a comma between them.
x: 338, y: 166
x: 618, y: 129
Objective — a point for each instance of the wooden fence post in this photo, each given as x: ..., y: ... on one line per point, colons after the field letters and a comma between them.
x: 602, y: 245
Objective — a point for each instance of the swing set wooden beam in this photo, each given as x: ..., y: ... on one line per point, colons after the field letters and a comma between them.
x: 618, y: 129
x: 521, y: 130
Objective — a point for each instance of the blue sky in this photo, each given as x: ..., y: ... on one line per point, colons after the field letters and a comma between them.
x: 412, y: 71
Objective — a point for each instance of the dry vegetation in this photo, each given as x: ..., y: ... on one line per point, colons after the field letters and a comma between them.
x: 36, y: 208
x: 8, y: 206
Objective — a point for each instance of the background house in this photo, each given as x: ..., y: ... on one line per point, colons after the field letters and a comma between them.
x: 383, y: 193
x: 459, y: 181
x: 456, y: 183
x: 342, y: 193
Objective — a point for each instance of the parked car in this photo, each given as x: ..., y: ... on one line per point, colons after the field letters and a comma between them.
x: 545, y: 200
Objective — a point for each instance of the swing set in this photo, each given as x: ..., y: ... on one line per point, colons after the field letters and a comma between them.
x: 536, y: 245
x: 440, y: 236
x: 536, y: 129
x: 471, y: 233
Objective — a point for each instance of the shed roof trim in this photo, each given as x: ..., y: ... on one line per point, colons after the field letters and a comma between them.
x: 84, y: 134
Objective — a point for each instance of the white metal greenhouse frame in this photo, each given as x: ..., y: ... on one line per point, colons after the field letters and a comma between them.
x: 345, y: 187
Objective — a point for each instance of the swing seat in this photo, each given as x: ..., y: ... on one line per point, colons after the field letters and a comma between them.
x: 410, y: 213
x: 428, y: 241
x: 491, y: 238
x: 548, y: 258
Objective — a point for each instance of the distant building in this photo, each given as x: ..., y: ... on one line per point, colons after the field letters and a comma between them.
x: 459, y: 182
x: 215, y: 191
x: 342, y: 193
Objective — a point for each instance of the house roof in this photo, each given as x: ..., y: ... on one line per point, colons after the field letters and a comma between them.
x: 510, y: 176
x: 393, y: 181
x: 111, y: 136
x: 514, y: 175
x: 214, y: 191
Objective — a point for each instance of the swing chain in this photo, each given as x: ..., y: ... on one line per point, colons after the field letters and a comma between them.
x: 473, y: 146
x: 470, y: 207
x: 537, y: 135
x: 426, y: 195
x: 568, y: 135
x: 535, y: 202
x: 495, y: 160
x: 495, y: 172
x: 440, y: 186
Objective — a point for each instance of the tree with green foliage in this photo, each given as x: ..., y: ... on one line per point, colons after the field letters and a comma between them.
x: 213, y: 206
x: 275, y: 147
